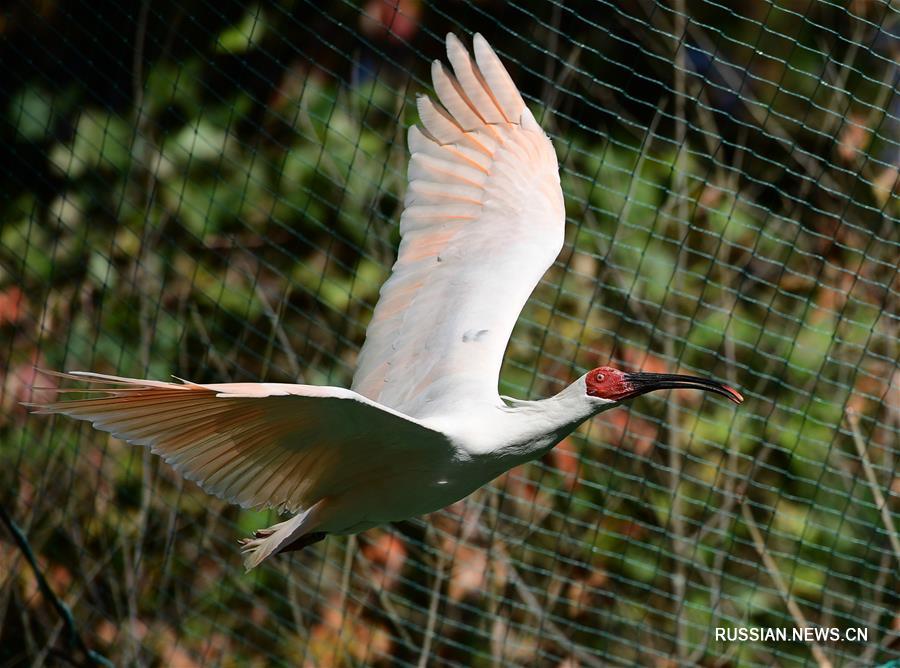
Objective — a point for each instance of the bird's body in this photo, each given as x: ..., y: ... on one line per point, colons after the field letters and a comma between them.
x: 423, y: 425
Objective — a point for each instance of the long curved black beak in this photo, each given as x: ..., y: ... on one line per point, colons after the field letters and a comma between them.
x: 648, y: 382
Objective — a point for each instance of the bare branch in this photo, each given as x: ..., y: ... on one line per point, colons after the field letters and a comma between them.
x: 74, y: 639
x: 433, y: 608
x: 880, y: 502
x: 774, y: 573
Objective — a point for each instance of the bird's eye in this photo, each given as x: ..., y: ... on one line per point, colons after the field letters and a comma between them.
x: 599, y: 377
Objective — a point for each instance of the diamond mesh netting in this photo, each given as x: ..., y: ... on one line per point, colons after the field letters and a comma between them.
x: 212, y: 190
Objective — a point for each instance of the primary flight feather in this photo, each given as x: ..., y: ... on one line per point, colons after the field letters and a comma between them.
x: 423, y: 425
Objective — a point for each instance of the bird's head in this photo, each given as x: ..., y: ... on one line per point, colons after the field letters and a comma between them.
x: 611, y: 384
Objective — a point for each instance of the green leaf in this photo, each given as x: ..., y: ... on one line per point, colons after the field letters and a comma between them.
x: 197, y: 142
x: 101, y: 140
x: 28, y: 242
x: 171, y: 84
x: 31, y: 113
x: 812, y: 343
x: 244, y: 36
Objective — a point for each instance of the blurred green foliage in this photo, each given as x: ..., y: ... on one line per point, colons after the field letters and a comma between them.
x: 215, y: 227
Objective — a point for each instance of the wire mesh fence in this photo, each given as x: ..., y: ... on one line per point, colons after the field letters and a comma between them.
x: 212, y: 190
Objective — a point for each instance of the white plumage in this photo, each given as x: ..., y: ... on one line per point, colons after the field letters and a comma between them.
x: 423, y: 425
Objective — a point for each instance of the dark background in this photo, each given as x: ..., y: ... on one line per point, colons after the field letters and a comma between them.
x: 213, y: 189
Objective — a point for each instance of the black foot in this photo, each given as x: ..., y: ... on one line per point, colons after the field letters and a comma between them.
x: 304, y: 541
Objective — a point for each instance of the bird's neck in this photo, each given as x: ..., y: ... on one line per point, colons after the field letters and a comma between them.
x: 532, y: 428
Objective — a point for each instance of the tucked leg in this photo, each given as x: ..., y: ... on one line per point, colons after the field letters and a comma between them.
x: 303, y: 541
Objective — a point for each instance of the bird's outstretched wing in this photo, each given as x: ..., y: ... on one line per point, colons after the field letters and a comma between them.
x: 483, y: 220
x: 256, y: 444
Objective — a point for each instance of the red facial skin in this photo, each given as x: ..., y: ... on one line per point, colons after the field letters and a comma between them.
x: 614, y: 385
x: 608, y: 383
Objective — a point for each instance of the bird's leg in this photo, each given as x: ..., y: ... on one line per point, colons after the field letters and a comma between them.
x: 303, y: 541
x: 263, y: 533
x: 299, y: 544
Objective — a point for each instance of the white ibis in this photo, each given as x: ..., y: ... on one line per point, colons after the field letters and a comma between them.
x: 423, y: 425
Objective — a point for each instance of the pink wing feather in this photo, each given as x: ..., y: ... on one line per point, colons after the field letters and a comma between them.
x: 483, y: 220
x: 255, y: 444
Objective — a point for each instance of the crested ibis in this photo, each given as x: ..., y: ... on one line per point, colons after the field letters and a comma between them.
x: 423, y: 425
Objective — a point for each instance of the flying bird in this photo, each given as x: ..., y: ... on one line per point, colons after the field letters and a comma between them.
x: 423, y: 424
